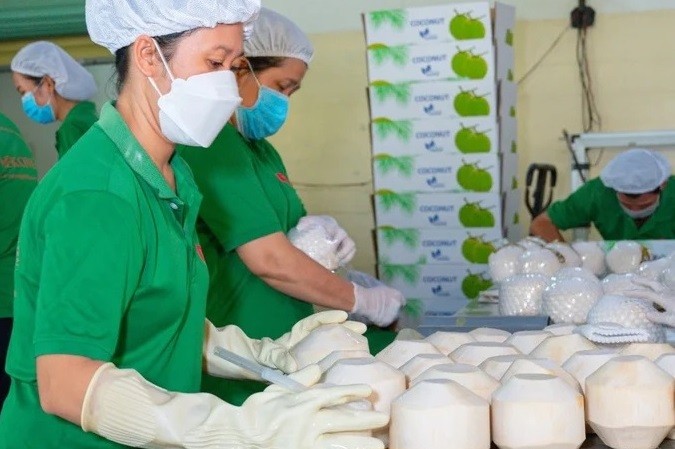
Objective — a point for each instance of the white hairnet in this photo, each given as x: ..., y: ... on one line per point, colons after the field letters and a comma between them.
x: 636, y: 171
x: 73, y: 82
x: 116, y: 24
x: 275, y: 35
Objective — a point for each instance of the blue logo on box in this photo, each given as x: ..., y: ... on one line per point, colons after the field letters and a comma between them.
x: 433, y: 182
x: 438, y: 291
x: 439, y: 256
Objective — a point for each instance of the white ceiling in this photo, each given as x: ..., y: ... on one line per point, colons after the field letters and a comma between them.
x: 323, y: 16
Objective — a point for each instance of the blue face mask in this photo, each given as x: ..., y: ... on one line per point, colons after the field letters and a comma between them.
x: 41, y: 114
x: 265, y: 117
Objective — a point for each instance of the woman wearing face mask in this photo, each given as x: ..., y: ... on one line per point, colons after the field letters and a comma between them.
x: 259, y: 279
x: 53, y: 86
x: 110, y: 335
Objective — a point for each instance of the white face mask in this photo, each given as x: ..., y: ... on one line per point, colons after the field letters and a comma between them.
x: 196, y: 109
x: 642, y: 213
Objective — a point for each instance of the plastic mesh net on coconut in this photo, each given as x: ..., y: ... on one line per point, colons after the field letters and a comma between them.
x: 569, y: 300
x: 619, y: 319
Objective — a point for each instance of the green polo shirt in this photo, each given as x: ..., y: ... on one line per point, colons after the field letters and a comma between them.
x: 77, y: 122
x: 247, y: 196
x: 593, y: 203
x: 109, y: 269
x: 18, y: 178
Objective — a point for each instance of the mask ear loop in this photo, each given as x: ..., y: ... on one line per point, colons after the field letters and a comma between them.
x: 51, y: 96
x: 166, y: 66
x: 253, y: 73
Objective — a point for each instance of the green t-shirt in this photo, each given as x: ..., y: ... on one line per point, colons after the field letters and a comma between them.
x: 75, y: 125
x: 593, y: 203
x: 18, y: 178
x: 109, y: 268
x: 247, y: 196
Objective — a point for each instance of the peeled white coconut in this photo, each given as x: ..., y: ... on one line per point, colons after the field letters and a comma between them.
x: 575, y: 272
x: 497, y: 366
x: 527, y: 412
x: 628, y: 313
x: 569, y: 300
x: 325, y: 339
x: 667, y: 363
x: 562, y: 347
x: 629, y: 403
x: 420, y: 363
x: 315, y: 242
x: 490, y: 334
x: 625, y: 257
x: 592, y: 257
x: 584, y: 363
x: 335, y: 356
x: 521, y: 295
x: 652, y: 351
x: 505, y: 262
x: 446, y: 342
x: 537, y: 365
x: 468, y: 376
x: 572, y: 259
x: 386, y: 382
x: 526, y: 341
x: 543, y: 261
x: 652, y: 269
x: 560, y: 329
x: 437, y: 414
x: 476, y: 353
x: 400, y: 351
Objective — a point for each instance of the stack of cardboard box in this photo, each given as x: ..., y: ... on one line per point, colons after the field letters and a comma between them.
x: 442, y: 105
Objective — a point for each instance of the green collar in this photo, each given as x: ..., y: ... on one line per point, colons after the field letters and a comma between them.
x: 116, y: 129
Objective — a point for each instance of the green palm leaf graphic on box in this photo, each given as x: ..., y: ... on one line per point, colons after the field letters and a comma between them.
x: 391, y: 235
x: 381, y: 53
x: 389, y: 199
x: 394, y: 17
x: 408, y: 273
x: 413, y: 308
x: 404, y: 165
x: 384, y: 90
x: 385, y: 127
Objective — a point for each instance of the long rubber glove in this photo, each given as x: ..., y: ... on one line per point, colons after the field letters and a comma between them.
x: 268, y: 352
x: 379, y: 305
x: 121, y: 406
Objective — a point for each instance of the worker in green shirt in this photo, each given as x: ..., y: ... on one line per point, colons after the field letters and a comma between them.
x: 110, y: 335
x: 260, y: 281
x: 53, y: 86
x: 633, y: 199
x: 18, y: 178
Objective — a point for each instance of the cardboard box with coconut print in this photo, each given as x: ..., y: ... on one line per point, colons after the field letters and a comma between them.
x: 438, y: 210
x: 459, y: 61
x: 453, y: 22
x: 436, y: 246
x: 451, y: 283
x: 470, y: 136
x: 437, y: 173
x: 437, y: 99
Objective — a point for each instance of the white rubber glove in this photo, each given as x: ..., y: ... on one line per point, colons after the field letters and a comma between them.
x: 378, y: 305
x: 268, y: 352
x: 346, y: 248
x: 121, y: 406
x: 661, y: 298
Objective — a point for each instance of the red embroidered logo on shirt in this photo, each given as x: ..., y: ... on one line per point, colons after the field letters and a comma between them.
x: 283, y: 178
x: 200, y: 253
